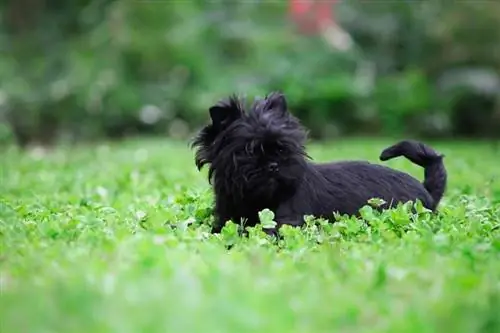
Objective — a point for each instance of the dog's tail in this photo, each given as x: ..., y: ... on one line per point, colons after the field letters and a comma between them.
x: 424, y: 156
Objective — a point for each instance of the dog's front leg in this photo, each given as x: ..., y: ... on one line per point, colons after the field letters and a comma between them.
x: 293, y: 221
x: 219, y: 223
x: 222, y: 214
x: 216, y: 227
x: 285, y: 214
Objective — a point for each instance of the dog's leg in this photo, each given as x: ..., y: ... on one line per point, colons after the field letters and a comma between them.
x: 222, y: 214
x: 217, y: 227
x: 219, y: 223
x: 285, y: 214
x: 274, y: 232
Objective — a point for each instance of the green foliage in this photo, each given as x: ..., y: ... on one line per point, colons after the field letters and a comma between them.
x: 116, y: 238
x: 93, y: 68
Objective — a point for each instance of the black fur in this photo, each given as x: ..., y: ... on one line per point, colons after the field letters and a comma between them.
x: 257, y: 160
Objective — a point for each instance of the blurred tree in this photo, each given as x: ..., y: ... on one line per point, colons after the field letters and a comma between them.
x: 87, y: 69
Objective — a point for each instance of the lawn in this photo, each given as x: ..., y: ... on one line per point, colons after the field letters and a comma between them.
x: 114, y: 238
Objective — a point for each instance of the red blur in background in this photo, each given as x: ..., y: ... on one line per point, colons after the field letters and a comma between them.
x: 311, y: 16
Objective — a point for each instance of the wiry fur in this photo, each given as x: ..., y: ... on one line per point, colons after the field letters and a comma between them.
x: 257, y: 160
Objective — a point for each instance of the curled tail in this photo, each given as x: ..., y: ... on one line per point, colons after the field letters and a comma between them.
x: 424, y: 156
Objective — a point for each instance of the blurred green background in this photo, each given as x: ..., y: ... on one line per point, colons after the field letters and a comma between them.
x: 93, y: 69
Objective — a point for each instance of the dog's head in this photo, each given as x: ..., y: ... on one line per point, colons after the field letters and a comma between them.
x: 254, y: 153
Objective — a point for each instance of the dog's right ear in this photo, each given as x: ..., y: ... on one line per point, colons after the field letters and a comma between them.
x: 222, y: 115
x: 225, y: 112
x: 276, y: 102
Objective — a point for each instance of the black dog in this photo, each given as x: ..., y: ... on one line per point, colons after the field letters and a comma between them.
x: 257, y: 160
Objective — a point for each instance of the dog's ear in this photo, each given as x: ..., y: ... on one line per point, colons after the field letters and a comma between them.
x: 222, y: 114
x: 276, y: 102
x: 226, y: 111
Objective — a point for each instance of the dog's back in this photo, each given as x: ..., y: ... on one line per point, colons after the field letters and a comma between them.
x: 352, y: 183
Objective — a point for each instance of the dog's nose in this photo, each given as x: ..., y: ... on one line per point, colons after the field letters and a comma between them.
x: 273, y: 167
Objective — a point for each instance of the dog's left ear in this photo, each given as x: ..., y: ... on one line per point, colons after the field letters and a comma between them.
x: 225, y: 112
x: 276, y: 102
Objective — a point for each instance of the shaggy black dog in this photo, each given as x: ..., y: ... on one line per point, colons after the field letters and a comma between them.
x: 257, y: 160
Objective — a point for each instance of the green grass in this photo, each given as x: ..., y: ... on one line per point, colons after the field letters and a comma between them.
x: 114, y: 238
